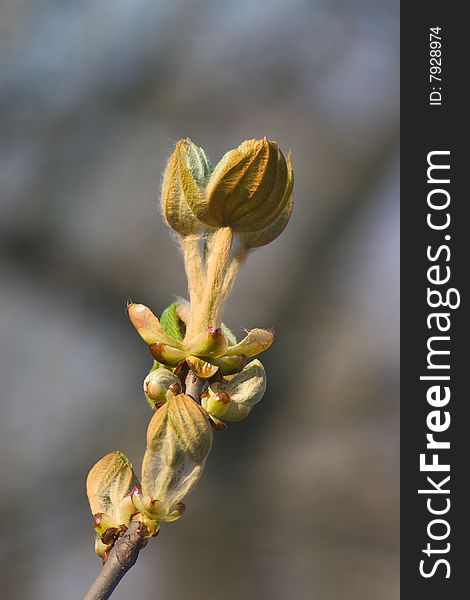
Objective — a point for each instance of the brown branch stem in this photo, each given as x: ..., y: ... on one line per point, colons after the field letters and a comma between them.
x: 194, y: 386
x: 121, y: 558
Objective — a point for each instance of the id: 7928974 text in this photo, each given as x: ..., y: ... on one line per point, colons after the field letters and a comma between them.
x: 435, y: 66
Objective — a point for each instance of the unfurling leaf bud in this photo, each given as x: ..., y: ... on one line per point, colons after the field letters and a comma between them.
x: 243, y: 391
x: 179, y: 439
x: 108, y: 489
x: 109, y: 482
x: 255, y: 342
x: 159, y: 385
x: 149, y: 327
x: 216, y: 403
x: 247, y: 190
x: 183, y: 184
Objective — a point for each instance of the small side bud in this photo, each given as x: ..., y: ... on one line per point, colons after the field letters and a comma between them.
x: 215, y: 403
x: 148, y: 527
x: 244, y: 390
x: 159, y: 385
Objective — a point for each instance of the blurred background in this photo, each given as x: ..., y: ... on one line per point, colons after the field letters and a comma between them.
x: 299, y: 501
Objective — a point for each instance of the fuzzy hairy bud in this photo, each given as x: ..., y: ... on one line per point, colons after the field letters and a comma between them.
x: 183, y: 184
x: 179, y: 439
x: 248, y: 189
x: 108, y: 486
x: 160, y: 385
x: 233, y: 398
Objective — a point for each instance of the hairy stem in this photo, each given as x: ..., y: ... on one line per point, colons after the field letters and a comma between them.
x: 232, y: 271
x: 193, y: 262
x: 121, y: 558
x: 208, y: 312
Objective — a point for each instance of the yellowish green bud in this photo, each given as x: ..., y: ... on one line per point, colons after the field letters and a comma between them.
x: 234, y: 397
x: 179, y: 439
x: 247, y: 190
x: 154, y: 510
x: 159, y: 385
x: 109, y: 484
x: 184, y: 180
x: 216, y: 403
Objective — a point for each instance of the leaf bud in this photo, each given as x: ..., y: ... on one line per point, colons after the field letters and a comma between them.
x: 243, y: 390
x: 109, y: 484
x: 149, y: 327
x: 216, y: 402
x: 183, y: 183
x: 179, y: 439
x: 159, y: 385
x: 248, y: 189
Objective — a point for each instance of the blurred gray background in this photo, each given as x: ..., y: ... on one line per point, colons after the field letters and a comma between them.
x: 300, y: 501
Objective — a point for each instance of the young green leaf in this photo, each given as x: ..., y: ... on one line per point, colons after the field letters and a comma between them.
x: 171, y: 323
x: 232, y: 340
